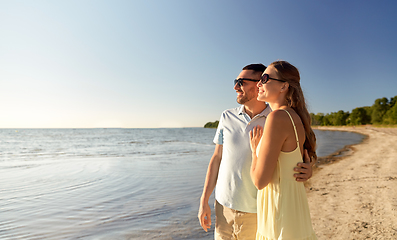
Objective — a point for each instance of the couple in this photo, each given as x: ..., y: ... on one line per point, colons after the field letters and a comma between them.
x: 251, y: 155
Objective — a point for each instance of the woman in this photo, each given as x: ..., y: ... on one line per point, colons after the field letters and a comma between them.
x: 283, y: 211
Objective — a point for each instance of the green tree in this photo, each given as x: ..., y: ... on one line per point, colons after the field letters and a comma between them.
x: 379, y: 109
x: 341, y: 118
x: 317, y: 119
x: 368, y: 110
x: 338, y: 118
x: 393, y: 101
x: 391, y: 115
x: 359, y: 116
x: 211, y: 124
x: 327, y: 120
x: 314, y: 123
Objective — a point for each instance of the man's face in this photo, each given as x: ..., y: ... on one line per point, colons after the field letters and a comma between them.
x: 249, y: 90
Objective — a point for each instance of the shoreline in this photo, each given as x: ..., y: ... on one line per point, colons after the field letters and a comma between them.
x: 341, y: 153
x: 352, y: 193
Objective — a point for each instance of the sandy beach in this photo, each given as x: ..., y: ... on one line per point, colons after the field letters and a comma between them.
x: 355, y: 196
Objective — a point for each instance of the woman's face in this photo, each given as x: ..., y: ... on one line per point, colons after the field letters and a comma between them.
x: 270, y: 91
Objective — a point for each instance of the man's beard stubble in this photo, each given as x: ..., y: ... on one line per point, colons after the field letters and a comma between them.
x: 245, y: 99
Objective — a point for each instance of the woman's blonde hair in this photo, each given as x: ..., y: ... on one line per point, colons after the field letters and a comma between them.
x: 296, y: 101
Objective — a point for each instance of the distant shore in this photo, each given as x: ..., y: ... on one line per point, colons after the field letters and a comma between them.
x: 352, y: 193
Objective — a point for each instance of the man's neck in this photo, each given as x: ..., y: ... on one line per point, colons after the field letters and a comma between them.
x: 254, y: 108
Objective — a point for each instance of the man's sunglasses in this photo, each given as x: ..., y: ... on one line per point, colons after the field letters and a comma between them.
x: 265, y: 78
x: 239, y: 81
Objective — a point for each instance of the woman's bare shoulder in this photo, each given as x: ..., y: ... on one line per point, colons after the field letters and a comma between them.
x: 278, y: 118
x: 278, y: 114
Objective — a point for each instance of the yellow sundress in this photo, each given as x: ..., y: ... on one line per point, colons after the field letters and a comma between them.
x: 283, y: 210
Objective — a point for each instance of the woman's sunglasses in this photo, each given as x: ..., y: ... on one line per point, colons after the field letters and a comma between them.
x: 265, y: 78
x: 239, y: 81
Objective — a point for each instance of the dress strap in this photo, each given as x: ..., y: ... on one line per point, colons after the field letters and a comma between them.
x: 292, y: 120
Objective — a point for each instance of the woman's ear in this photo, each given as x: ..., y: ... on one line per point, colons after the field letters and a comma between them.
x: 285, y: 87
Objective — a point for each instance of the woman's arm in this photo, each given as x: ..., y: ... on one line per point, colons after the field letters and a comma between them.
x: 273, y: 138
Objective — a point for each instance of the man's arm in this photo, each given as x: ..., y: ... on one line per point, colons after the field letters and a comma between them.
x: 204, y: 213
x: 304, y: 169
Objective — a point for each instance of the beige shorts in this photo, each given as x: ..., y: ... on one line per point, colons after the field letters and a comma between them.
x: 233, y: 224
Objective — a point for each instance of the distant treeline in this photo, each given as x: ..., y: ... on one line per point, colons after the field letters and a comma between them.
x: 211, y: 124
x: 383, y: 111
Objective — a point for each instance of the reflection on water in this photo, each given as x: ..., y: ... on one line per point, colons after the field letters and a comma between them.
x: 104, y: 183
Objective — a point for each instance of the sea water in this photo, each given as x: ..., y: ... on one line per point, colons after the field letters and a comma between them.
x: 110, y: 183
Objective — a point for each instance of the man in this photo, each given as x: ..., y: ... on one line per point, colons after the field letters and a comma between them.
x: 229, y: 167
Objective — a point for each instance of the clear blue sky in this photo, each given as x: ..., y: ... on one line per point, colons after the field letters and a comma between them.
x: 171, y: 63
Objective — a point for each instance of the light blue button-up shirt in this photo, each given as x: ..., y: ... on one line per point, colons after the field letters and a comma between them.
x: 234, y: 187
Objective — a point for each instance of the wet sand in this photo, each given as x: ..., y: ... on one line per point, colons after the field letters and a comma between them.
x: 354, y: 196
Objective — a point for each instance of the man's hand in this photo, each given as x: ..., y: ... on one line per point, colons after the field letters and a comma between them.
x: 304, y: 169
x: 204, y: 216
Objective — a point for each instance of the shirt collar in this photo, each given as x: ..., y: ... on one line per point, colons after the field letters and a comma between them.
x: 241, y: 110
x: 264, y: 113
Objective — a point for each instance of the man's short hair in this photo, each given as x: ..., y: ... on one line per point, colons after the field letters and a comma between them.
x: 256, y: 67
